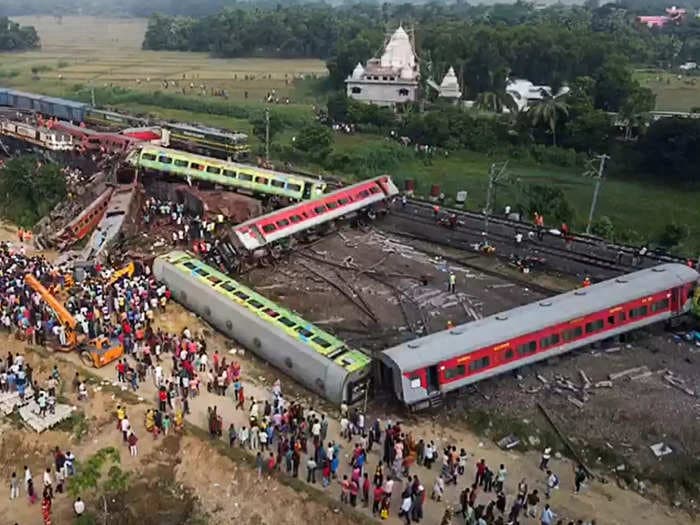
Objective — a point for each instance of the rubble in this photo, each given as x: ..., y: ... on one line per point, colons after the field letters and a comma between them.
x: 603, y: 384
x: 30, y: 414
x: 584, y: 377
x: 641, y: 376
x: 628, y: 372
x: 575, y: 401
x: 678, y: 383
x: 661, y: 449
x: 508, y: 442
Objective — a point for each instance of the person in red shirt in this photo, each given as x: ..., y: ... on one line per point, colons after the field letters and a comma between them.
x: 354, y: 490
x: 377, y: 499
x: 365, y: 489
x: 480, y: 471
x: 162, y: 398
x: 271, y: 463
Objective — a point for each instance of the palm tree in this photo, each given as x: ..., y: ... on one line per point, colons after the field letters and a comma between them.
x: 496, y: 101
x: 547, y: 111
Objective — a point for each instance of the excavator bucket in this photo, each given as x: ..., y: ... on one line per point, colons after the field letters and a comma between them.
x: 101, y: 352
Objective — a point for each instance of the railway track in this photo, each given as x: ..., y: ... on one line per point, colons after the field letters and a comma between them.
x: 426, y: 208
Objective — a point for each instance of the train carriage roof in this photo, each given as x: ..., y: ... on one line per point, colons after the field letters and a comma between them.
x: 495, y: 329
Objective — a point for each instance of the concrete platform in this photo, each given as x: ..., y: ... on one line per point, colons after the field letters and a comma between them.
x: 30, y: 415
x: 10, y: 400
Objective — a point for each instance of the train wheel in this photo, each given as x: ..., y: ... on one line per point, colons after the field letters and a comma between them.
x: 86, y: 358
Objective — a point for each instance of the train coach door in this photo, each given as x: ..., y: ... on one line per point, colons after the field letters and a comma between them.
x: 307, y: 191
x: 432, y: 379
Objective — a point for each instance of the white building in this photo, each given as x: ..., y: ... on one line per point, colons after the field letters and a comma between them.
x: 526, y: 94
x: 449, y: 87
x: 390, y: 79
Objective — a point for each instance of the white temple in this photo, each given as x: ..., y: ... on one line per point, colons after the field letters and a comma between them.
x: 390, y: 79
x: 449, y: 87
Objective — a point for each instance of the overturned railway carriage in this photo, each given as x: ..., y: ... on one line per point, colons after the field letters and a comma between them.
x: 314, y: 358
x: 426, y: 368
x: 242, y: 177
x: 50, y: 139
x: 275, y: 226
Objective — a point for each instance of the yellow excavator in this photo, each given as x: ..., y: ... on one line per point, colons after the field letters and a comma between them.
x: 96, y: 352
x: 129, y: 270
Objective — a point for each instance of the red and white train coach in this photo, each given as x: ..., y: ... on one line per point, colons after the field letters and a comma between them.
x: 277, y: 225
x: 428, y: 367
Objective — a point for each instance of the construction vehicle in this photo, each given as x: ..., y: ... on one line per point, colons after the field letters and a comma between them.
x: 128, y: 270
x: 96, y: 352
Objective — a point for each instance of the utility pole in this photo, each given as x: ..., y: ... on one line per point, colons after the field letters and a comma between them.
x: 496, y: 173
x: 92, y: 96
x: 599, y: 174
x: 267, y: 135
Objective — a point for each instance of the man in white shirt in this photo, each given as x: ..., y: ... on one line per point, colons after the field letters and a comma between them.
x: 79, y: 507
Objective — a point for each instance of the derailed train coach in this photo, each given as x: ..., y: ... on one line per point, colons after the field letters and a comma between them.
x: 423, y: 370
x: 314, y: 358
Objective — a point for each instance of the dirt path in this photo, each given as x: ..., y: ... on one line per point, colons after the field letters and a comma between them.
x: 607, y: 503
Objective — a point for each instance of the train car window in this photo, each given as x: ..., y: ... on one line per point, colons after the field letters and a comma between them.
x: 165, y: 160
x: 660, y: 305
x: 282, y: 223
x: 527, y: 348
x: 245, y: 177
x: 622, y: 316
x: 268, y: 228
x: 228, y: 286
x: 321, y: 342
x: 295, y: 219
x: 202, y: 272
x: 230, y: 173
x: 190, y: 265
x: 478, y: 364
x: 638, y: 312
x: 286, y: 322
x: 214, y: 170
x: 196, y: 166
x: 364, y: 194
x: 332, y: 205
x: 455, y: 371
x: 181, y: 163
x: 415, y: 382
x: 303, y: 331
x: 148, y: 156
x: 293, y: 187
x: 549, y: 341
x: 255, y: 304
x: 261, y: 180
x: 509, y: 354
x: 572, y: 333
x: 271, y: 313
x: 276, y: 183
x: 320, y: 209
x: 214, y: 280
x: 374, y: 189
x: 594, y: 326
x: 241, y: 295
x: 343, y: 201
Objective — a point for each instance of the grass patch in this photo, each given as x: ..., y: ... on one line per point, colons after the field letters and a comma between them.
x: 672, y: 93
x: 77, y: 424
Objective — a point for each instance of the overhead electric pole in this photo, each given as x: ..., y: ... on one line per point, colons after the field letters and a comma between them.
x: 599, y: 174
x: 497, y: 172
x: 267, y: 135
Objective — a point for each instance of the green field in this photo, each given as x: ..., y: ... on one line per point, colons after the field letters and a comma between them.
x: 101, y: 52
x: 107, y: 52
x: 672, y: 93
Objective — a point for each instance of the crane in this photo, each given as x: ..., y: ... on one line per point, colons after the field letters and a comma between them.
x: 96, y: 352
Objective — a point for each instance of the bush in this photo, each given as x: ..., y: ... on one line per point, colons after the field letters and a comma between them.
x: 369, y: 160
x: 603, y: 227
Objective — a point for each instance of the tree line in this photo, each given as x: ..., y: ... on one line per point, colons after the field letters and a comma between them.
x: 14, y: 37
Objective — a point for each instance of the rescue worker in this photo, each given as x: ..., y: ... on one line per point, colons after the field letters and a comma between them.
x: 452, y: 283
x: 450, y: 325
x: 436, y: 211
x: 586, y: 282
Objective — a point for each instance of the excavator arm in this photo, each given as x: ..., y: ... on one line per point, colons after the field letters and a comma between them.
x: 129, y: 270
x: 64, y: 316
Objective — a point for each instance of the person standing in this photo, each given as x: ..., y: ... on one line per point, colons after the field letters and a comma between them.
x: 552, y: 483
x: 311, y: 470
x: 548, y: 516
x: 406, y: 503
x: 14, y: 486
x: 78, y: 507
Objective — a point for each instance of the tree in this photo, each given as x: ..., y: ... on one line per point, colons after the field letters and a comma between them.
x: 548, y: 201
x: 673, y: 235
x: 603, y: 227
x: 260, y: 124
x: 670, y: 149
x: 337, y: 107
x: 314, y: 139
x: 548, y: 111
x: 496, y: 101
x: 635, y: 108
x: 29, y: 189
